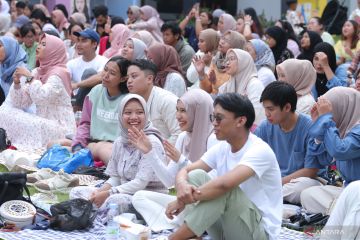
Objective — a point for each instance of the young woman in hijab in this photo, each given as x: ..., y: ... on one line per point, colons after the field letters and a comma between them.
x: 336, y: 135
x: 49, y: 88
x: 60, y: 22
x: 134, y: 15
x: 217, y: 75
x: 193, y: 111
x: 151, y: 22
x: 134, y: 49
x: 349, y: 44
x: 169, y: 75
x: 98, y: 131
x: 302, y: 76
x: 118, y: 35
x: 208, y: 45
x: 308, y: 42
x: 104, y: 41
x: 77, y: 18
x: 277, y: 39
x: 12, y: 55
x: 146, y: 37
x: 226, y: 22
x: 264, y: 60
x: 328, y: 75
x: 243, y: 80
x: 130, y: 170
x: 293, y: 43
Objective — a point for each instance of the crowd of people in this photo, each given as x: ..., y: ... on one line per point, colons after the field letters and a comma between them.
x: 240, y: 119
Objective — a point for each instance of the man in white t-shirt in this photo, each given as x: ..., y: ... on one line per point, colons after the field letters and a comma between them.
x: 245, y: 200
x: 88, y: 59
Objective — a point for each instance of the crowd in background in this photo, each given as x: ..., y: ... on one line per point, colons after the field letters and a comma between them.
x: 139, y: 91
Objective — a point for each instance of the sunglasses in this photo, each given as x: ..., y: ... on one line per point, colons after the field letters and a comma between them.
x: 216, y: 117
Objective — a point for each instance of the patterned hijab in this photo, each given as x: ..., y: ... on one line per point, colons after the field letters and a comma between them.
x: 345, y: 109
x: 167, y: 61
x: 148, y: 129
x: 120, y: 33
x: 199, y: 106
x: 264, y: 55
x: 300, y: 74
x: 54, y: 62
x: 14, y: 56
x: 246, y: 72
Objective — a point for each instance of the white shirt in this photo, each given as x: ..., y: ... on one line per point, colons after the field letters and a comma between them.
x: 266, y: 76
x: 161, y: 107
x: 175, y: 83
x: 305, y: 103
x: 264, y: 188
x: 77, y: 66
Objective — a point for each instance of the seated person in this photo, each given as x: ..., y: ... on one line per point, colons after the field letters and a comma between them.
x: 160, y: 104
x: 287, y: 134
x: 49, y: 88
x: 192, y: 112
x: 245, y: 199
x: 99, y: 125
x: 129, y: 169
x: 335, y: 135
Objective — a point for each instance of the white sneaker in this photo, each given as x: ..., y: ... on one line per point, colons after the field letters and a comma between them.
x: 62, y: 182
x: 44, y: 173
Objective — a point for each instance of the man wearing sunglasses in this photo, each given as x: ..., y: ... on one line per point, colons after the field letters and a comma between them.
x: 245, y: 199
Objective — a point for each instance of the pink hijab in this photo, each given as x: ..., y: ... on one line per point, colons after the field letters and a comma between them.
x: 198, y: 106
x: 146, y: 37
x: 54, y: 62
x: 229, y: 23
x: 120, y: 33
x: 63, y: 21
x: 150, y: 12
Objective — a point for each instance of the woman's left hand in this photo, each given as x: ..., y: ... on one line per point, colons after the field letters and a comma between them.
x: 139, y: 140
x: 323, y: 106
x: 21, y: 71
x: 99, y: 197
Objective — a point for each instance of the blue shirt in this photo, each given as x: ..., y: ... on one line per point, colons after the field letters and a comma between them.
x: 345, y: 151
x: 290, y: 147
x: 190, y: 34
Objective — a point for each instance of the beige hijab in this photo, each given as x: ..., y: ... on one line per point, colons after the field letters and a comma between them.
x: 199, y: 106
x: 345, y: 109
x: 300, y: 74
x: 246, y: 72
x: 211, y: 38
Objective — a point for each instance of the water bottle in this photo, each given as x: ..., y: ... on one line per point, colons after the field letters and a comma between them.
x: 112, y: 228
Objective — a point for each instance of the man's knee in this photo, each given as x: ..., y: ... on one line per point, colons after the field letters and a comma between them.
x: 198, y: 177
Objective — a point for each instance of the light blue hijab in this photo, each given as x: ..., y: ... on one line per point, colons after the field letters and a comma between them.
x: 264, y: 55
x: 15, y: 56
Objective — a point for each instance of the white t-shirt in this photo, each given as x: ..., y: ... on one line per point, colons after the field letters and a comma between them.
x: 264, y: 188
x: 77, y: 66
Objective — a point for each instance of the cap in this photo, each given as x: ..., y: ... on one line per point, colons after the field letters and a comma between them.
x: 88, y: 33
x: 21, y: 21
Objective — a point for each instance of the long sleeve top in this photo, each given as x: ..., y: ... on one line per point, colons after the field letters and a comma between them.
x: 329, y: 146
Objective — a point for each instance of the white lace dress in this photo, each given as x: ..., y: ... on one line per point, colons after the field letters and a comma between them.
x: 54, y: 116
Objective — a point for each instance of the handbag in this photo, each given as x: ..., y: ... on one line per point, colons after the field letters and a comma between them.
x: 4, y: 141
x: 12, y: 186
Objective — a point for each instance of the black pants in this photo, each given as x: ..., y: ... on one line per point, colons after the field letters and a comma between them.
x: 2, y: 96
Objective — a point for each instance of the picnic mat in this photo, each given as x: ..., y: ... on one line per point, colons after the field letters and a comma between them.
x: 97, y: 232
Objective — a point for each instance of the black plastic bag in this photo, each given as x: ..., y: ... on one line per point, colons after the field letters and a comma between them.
x: 75, y: 214
x: 96, y: 172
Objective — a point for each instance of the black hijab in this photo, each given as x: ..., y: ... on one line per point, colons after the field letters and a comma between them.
x: 281, y: 39
x: 308, y: 54
x: 321, y: 79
